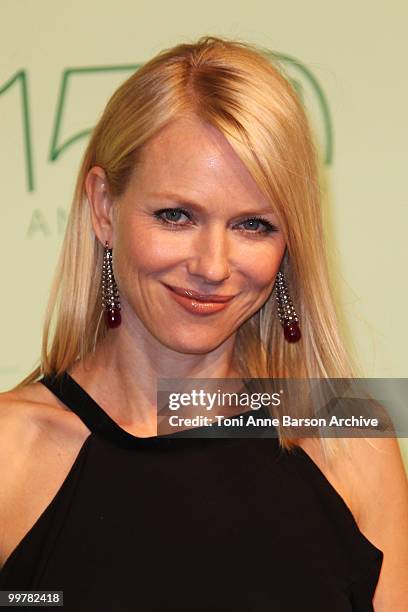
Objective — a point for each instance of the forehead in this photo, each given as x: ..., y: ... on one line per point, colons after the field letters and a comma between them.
x: 193, y: 155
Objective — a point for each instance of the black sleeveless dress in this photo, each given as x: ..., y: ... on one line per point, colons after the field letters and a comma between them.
x: 192, y: 524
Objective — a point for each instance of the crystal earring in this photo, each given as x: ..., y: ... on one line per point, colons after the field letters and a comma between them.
x: 110, y: 294
x: 286, y: 312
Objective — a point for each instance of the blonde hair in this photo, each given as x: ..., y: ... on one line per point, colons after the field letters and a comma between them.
x: 236, y: 87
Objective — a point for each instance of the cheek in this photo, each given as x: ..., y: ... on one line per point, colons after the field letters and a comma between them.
x: 260, y: 265
x: 147, y: 250
x: 262, y: 272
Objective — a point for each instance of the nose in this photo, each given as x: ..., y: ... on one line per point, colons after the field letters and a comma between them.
x: 210, y: 255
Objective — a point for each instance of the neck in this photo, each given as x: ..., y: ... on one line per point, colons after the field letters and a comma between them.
x: 123, y: 372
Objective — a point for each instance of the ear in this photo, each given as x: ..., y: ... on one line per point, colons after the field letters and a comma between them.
x: 100, y: 203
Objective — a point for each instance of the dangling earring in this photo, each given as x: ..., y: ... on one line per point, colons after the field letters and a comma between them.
x: 286, y: 312
x: 110, y: 294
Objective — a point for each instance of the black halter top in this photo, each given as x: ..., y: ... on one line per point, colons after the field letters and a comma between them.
x: 192, y: 524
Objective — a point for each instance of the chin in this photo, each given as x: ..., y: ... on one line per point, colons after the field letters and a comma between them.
x: 192, y: 346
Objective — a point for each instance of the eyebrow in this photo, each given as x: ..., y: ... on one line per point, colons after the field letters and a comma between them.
x: 200, y: 208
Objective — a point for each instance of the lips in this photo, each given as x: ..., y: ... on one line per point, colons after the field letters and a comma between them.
x: 200, y: 297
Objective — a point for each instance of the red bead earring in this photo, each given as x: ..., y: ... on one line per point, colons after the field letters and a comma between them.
x: 286, y: 312
x: 110, y: 293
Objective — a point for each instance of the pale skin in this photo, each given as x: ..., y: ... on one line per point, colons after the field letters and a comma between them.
x: 215, y: 248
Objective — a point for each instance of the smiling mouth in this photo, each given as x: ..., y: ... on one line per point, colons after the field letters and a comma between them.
x: 198, y: 304
x: 208, y: 298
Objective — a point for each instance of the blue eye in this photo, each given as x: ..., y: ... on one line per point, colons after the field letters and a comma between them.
x: 268, y: 227
x: 171, y: 216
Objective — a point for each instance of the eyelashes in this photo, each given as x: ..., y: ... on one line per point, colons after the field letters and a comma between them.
x: 268, y: 227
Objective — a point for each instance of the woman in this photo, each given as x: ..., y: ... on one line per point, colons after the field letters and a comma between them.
x: 199, y: 186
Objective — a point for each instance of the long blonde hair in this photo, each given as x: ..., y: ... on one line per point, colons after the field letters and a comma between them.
x: 236, y: 87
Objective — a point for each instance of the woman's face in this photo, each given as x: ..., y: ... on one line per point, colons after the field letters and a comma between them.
x: 186, y: 222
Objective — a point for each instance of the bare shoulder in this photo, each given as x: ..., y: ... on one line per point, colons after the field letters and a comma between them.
x: 39, y: 439
x: 372, y: 479
x: 379, y: 471
x: 381, y: 478
x: 338, y: 472
x: 366, y: 470
x: 32, y: 414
